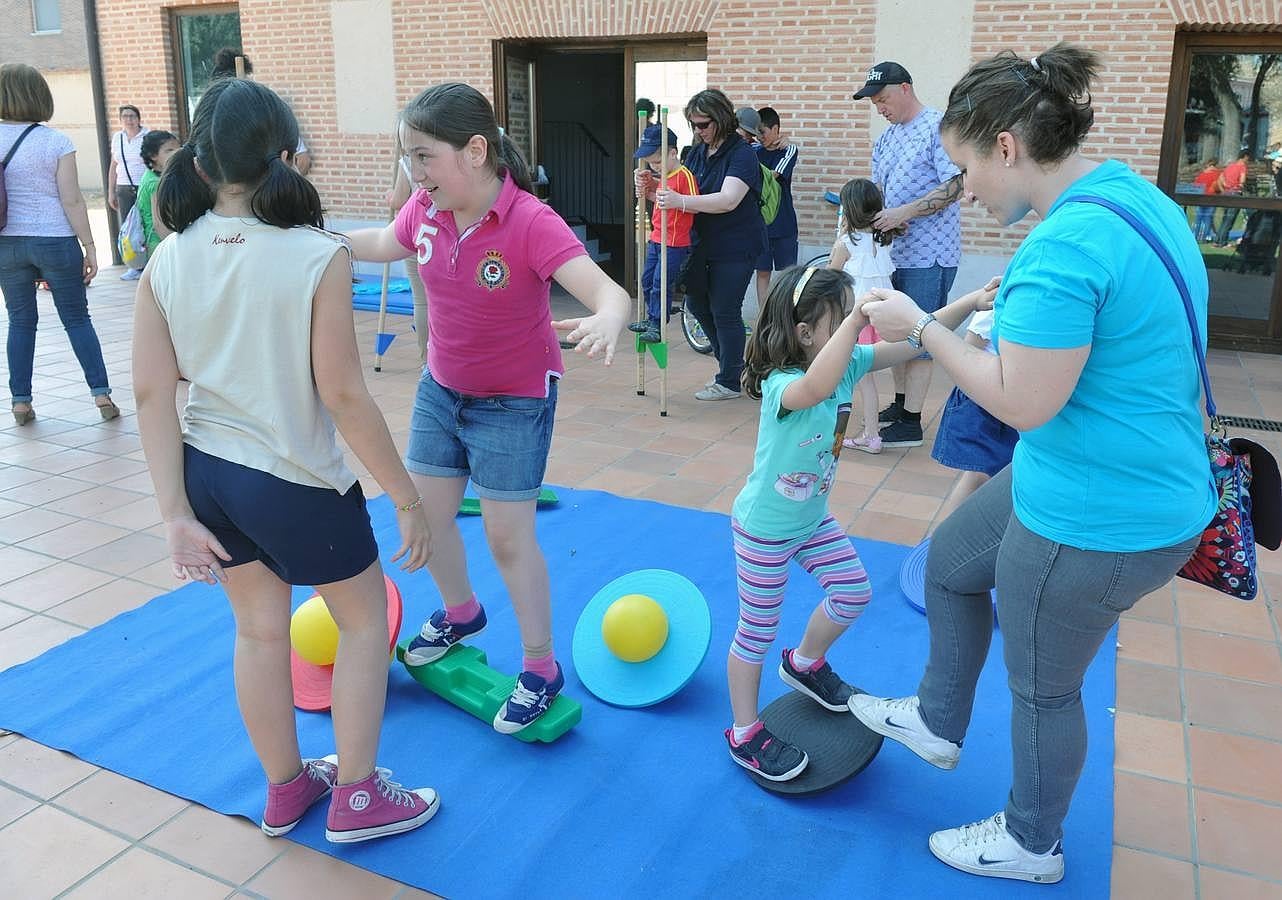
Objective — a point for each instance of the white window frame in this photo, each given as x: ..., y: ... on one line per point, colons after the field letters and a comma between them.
x: 35, y: 19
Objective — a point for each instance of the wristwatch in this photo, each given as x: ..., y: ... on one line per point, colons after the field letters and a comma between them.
x: 914, y: 336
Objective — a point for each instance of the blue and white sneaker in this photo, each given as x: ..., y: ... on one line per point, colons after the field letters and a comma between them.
x: 900, y: 720
x: 438, y: 635
x: 987, y: 848
x: 530, y: 699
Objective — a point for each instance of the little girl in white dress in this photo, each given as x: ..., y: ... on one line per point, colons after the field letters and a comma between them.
x: 864, y: 254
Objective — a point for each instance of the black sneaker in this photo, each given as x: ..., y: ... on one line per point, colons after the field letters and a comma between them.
x: 901, y: 434
x: 892, y: 413
x: 767, y: 756
x: 640, y: 327
x: 822, y: 685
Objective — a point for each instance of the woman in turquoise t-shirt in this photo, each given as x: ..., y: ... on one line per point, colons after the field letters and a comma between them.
x: 1110, y: 486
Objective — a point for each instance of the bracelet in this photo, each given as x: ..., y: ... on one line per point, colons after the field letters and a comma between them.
x: 418, y: 501
x: 919, y: 331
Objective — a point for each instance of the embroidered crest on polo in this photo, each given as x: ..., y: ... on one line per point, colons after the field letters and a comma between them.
x: 493, y: 272
x: 358, y: 800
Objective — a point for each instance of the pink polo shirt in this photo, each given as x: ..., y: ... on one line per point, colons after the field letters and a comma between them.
x: 489, y: 313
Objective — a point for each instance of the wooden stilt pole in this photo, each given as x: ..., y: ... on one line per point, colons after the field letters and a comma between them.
x: 642, y: 119
x: 663, y: 265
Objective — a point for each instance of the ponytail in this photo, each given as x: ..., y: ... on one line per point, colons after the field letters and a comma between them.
x: 285, y: 198
x: 183, y: 196
x: 512, y: 161
x: 1046, y: 100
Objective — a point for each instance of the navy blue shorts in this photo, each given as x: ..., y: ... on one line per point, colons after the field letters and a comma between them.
x: 306, y: 535
x: 970, y: 439
x: 781, y: 254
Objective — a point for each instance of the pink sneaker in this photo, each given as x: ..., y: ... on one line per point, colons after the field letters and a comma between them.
x: 864, y: 443
x: 286, y: 803
x: 375, y: 807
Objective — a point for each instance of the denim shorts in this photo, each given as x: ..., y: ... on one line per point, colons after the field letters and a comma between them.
x: 306, y: 535
x: 970, y: 439
x: 501, y: 443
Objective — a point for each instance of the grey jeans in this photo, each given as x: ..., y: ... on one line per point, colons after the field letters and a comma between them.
x: 1056, y: 604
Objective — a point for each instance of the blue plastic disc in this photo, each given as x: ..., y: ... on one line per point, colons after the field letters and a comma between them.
x: 912, y: 578
x: 656, y: 679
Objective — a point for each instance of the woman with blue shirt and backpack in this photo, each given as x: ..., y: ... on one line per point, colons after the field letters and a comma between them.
x: 1109, y: 488
x: 729, y: 233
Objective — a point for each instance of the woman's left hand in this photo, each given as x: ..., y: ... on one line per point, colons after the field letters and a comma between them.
x: 667, y: 199
x: 195, y: 552
x: 892, y: 313
x: 90, y: 266
x: 594, y: 335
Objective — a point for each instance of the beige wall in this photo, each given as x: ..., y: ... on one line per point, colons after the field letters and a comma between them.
x: 73, y: 116
x: 364, y: 73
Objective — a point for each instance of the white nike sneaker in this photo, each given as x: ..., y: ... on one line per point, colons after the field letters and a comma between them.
x: 899, y: 720
x: 987, y: 848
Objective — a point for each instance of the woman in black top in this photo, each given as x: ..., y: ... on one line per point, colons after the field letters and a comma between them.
x: 729, y: 233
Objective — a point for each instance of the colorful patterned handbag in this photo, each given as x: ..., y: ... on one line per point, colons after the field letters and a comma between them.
x: 1225, y: 555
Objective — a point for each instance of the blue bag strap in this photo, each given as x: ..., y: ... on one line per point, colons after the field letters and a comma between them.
x: 1164, y: 255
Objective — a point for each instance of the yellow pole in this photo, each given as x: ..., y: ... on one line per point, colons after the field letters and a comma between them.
x: 641, y: 123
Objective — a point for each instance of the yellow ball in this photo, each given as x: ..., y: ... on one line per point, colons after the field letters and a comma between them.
x: 313, y: 632
x: 634, y: 627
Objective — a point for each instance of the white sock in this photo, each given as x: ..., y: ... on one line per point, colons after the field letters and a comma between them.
x: 741, y: 733
x: 801, y: 663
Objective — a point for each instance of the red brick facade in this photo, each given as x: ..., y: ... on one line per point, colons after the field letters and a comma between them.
x: 816, y: 50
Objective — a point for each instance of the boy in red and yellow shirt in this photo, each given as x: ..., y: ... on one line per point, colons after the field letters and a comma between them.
x: 681, y: 180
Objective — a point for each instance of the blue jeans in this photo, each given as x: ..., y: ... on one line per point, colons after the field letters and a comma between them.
x: 928, y: 286
x: 714, y: 295
x: 59, y: 261
x: 650, y: 286
x: 1202, y: 230
x: 501, y: 443
x: 1056, y: 605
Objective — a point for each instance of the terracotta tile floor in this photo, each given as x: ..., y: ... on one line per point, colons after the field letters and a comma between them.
x: 1198, y: 771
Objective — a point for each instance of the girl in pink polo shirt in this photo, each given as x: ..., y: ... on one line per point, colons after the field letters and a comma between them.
x: 487, y: 250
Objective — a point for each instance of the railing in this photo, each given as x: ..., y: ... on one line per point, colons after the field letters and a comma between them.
x: 579, y: 173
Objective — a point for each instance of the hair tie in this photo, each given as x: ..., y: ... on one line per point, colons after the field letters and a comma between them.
x: 1033, y: 62
x: 801, y: 284
x: 1020, y: 76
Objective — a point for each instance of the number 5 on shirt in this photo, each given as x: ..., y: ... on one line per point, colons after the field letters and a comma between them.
x: 423, y: 244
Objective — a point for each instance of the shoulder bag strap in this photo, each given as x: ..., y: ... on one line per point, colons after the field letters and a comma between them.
x: 1167, y: 260
x: 14, y: 149
x: 124, y: 163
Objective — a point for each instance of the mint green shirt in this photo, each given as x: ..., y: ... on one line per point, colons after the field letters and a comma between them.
x: 786, y: 495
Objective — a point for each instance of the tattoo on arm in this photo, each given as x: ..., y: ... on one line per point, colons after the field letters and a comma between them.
x: 948, y: 192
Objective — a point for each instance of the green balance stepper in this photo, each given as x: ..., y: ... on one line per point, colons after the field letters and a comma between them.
x: 471, y: 506
x: 462, y: 677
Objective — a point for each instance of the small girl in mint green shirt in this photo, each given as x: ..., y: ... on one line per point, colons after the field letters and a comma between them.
x: 802, y: 357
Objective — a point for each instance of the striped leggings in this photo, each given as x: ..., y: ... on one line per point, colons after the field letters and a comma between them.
x: 761, y: 567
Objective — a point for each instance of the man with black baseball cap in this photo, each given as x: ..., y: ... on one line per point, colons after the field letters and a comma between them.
x: 880, y: 75
x: 920, y: 186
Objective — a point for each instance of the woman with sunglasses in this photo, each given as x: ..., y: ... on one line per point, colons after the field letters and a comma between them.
x: 729, y: 233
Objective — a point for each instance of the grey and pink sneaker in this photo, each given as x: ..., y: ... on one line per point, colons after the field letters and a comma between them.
x: 286, y: 803
x: 377, y: 807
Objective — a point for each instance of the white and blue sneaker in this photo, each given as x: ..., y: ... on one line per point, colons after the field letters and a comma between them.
x: 987, y: 848
x: 900, y: 720
x: 438, y: 635
x: 530, y: 699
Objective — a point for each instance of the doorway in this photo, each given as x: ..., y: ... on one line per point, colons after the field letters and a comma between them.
x: 570, y: 107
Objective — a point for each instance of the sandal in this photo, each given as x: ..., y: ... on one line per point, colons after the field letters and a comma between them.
x: 24, y: 416
x: 108, y: 410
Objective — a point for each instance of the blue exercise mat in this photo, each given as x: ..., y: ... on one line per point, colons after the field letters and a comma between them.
x: 631, y: 803
x: 367, y: 290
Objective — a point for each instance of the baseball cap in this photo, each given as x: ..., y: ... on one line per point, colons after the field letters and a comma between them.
x: 652, y: 141
x: 749, y: 121
x: 880, y: 75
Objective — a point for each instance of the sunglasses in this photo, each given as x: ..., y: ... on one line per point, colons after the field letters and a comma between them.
x: 701, y: 126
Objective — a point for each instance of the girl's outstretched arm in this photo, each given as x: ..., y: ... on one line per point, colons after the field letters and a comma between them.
x: 839, y: 256
x: 378, y: 244
x: 887, y: 353
x: 599, y: 332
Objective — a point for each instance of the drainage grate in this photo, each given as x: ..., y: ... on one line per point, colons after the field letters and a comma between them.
x: 1254, y: 424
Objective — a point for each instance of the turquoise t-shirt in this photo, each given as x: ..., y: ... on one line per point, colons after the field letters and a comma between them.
x: 786, y: 495
x: 1123, y: 465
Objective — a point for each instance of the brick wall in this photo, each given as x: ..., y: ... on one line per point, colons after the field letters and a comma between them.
x: 801, y: 56
x: 47, y: 52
